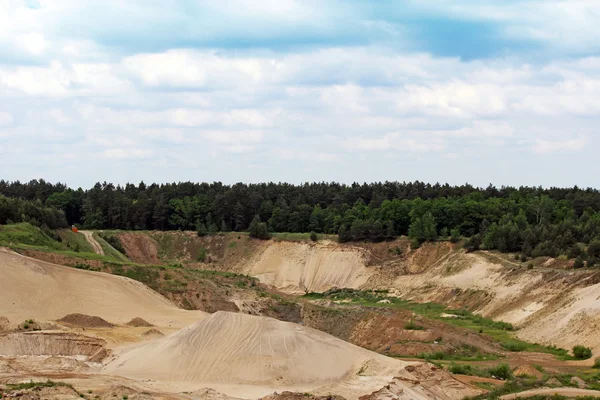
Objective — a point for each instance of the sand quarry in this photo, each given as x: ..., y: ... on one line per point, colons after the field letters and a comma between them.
x: 549, y: 305
x: 115, y: 337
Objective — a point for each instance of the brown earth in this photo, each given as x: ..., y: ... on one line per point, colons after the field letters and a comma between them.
x: 528, y: 370
x: 383, y: 330
x: 139, y: 247
x: 137, y: 322
x: 153, y: 333
x: 85, y: 321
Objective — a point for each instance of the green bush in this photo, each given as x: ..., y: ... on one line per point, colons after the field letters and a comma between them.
x: 460, y: 369
x: 582, y: 352
x: 597, y: 363
x: 411, y: 326
x: 258, y: 230
x: 514, y: 346
x: 201, y: 255
x: 578, y: 263
x: 313, y: 236
x: 501, y: 371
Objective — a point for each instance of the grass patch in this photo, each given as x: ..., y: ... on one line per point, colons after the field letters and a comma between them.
x: 411, y: 326
x: 75, y: 241
x: 26, y: 234
x: 498, y: 330
x: 108, y: 249
x: 33, y: 385
x: 300, y: 237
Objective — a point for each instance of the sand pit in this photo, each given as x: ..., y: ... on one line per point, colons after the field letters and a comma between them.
x: 85, y: 321
x: 247, y: 356
x: 139, y: 322
x: 33, y: 289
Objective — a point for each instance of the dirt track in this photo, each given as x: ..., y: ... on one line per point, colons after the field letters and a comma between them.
x: 89, y: 236
x: 570, y: 392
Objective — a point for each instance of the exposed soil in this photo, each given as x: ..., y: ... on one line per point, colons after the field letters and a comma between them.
x: 383, y: 330
x: 53, y: 344
x: 139, y: 322
x: 85, y: 321
x: 4, y: 324
x: 139, y: 247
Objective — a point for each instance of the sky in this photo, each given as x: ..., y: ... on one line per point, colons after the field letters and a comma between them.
x: 503, y: 92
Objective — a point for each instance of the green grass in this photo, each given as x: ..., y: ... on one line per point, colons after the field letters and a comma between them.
x: 24, y: 236
x: 498, y: 330
x: 28, y: 235
x: 299, y: 237
x: 32, y: 385
x: 109, y: 250
x: 75, y: 241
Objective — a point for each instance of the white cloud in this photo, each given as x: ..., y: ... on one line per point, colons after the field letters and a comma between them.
x: 5, y: 119
x: 128, y: 153
x: 543, y: 146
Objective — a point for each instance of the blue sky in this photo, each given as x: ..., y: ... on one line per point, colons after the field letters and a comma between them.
x: 300, y: 90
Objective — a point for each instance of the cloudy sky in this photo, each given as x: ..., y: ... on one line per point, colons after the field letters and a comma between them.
x: 456, y: 91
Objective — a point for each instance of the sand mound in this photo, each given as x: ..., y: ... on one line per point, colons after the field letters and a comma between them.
x: 52, y: 344
x: 247, y: 356
x: 33, y: 289
x: 85, y: 321
x: 528, y: 370
x: 153, y: 333
x: 139, y: 322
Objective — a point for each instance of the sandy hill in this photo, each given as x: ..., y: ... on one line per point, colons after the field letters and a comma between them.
x: 248, y: 356
x: 33, y: 289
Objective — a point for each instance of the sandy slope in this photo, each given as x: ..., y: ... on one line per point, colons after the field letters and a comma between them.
x: 295, y: 267
x: 248, y: 356
x: 549, y: 306
x: 33, y: 289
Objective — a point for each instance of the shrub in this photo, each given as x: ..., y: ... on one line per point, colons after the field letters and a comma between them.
x: 411, y: 326
x: 582, y: 352
x: 454, y: 235
x: 201, y: 254
x: 202, y: 231
x: 597, y: 363
x: 517, y: 257
x: 258, y: 230
x: 514, y: 346
x: 530, y: 266
x: 460, y: 369
x: 313, y: 236
x: 501, y: 371
x: 578, y: 263
x: 523, y: 258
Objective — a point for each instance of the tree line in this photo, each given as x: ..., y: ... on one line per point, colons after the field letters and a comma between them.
x: 532, y: 221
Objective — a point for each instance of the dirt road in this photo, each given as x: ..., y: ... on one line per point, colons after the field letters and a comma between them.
x: 570, y: 392
x: 89, y: 236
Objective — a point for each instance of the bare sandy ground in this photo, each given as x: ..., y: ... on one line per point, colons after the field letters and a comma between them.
x: 33, y: 289
x: 570, y: 392
x: 248, y: 356
x: 549, y: 307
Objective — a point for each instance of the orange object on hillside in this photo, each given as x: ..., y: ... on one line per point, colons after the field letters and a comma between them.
x: 74, y: 229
